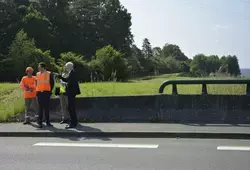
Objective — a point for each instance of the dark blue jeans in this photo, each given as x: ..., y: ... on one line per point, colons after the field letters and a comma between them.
x: 43, y: 99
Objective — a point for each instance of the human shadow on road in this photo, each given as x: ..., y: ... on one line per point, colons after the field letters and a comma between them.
x: 83, y: 128
x: 71, y: 133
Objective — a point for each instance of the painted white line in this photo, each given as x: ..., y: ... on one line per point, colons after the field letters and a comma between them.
x: 100, y: 145
x: 233, y: 148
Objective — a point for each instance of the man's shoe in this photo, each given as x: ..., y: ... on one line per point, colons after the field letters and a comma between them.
x: 40, y: 125
x: 26, y: 122
x: 64, y: 121
x: 49, y: 125
x: 70, y: 127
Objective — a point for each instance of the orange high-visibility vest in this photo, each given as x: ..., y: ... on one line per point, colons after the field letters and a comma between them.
x: 29, y: 82
x: 43, y: 81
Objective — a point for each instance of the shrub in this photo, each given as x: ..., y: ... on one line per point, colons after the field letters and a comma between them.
x: 38, y: 56
x: 170, y: 65
x: 108, y: 61
x: 81, y: 67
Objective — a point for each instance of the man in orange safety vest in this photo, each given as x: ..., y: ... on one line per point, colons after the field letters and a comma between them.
x: 45, y: 84
x: 28, y: 85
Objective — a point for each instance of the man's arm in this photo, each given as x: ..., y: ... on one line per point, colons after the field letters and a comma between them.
x: 63, y: 83
x: 22, y: 85
x: 63, y: 79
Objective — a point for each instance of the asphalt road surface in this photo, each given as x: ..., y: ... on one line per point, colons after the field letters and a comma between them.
x: 123, y: 154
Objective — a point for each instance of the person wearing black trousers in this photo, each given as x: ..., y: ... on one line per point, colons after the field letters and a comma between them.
x: 44, y: 86
x: 72, y: 89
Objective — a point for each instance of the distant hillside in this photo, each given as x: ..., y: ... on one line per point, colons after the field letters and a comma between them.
x: 245, y: 72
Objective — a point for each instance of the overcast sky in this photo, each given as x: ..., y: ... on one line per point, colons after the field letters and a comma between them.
x: 218, y: 27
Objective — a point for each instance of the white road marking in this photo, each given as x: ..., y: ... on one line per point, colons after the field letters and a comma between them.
x: 100, y: 145
x: 233, y: 148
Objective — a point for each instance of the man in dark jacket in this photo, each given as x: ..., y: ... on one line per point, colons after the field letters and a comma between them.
x: 72, y: 89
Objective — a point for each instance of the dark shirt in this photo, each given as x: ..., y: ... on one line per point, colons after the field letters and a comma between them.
x: 72, y: 88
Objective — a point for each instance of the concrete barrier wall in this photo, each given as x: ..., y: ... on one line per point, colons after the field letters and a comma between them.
x: 165, y: 108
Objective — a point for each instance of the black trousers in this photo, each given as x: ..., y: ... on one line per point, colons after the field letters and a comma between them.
x: 72, y: 110
x: 44, y: 106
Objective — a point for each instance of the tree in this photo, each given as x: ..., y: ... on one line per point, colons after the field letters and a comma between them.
x: 161, y: 65
x: 204, y: 65
x: 230, y: 65
x: 185, y: 66
x: 87, y: 28
x: 146, y: 64
x: 173, y: 65
x: 233, y: 66
x: 137, y: 52
x: 23, y: 53
x: 147, y: 49
x: 37, y: 55
x: 9, y: 24
x: 157, y: 52
x: 223, y: 65
x: 198, y: 65
x: 170, y: 50
x: 20, y: 51
x: 223, y: 69
x: 109, y: 63
x: 63, y: 25
x: 34, y: 22
x: 83, y: 26
x: 22, y: 2
x: 6, y: 68
x: 116, y: 25
x: 213, y: 64
x: 134, y: 66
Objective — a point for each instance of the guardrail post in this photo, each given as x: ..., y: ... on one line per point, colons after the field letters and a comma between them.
x: 248, y: 89
x: 174, y: 90
x: 204, y: 89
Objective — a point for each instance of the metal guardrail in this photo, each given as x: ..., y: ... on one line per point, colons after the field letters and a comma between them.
x: 204, y: 84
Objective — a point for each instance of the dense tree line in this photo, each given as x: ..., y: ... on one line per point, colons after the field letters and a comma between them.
x: 96, y: 36
x: 202, y: 65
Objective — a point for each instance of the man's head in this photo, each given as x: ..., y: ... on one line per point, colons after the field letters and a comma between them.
x: 69, y: 66
x: 29, y: 71
x: 41, y: 67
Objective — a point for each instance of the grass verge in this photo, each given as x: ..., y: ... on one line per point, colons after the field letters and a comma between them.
x: 11, y: 101
x: 11, y: 98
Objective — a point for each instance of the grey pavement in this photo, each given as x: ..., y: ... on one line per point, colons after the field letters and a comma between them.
x: 131, y: 127
x: 172, y: 154
x: 130, y: 130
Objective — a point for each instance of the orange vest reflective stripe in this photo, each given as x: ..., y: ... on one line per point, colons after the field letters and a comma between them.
x: 29, y: 82
x: 43, y: 81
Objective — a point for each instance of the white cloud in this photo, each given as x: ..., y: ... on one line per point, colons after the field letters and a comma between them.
x: 219, y: 26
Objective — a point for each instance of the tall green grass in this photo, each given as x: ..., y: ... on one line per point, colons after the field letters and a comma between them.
x: 12, y: 102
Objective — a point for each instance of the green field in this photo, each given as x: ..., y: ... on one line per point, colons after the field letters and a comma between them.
x: 11, y: 101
